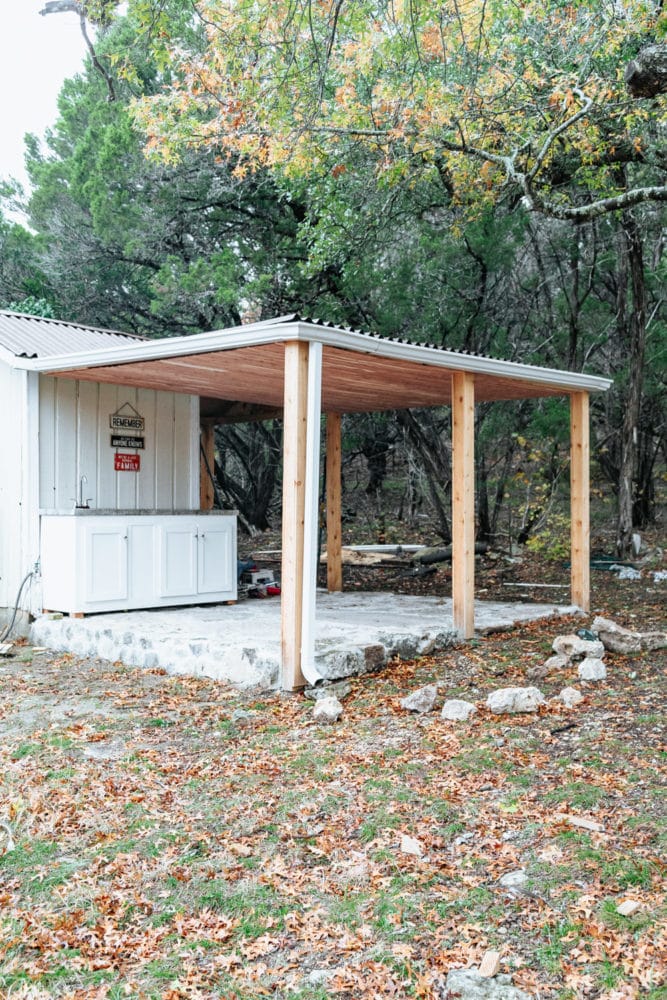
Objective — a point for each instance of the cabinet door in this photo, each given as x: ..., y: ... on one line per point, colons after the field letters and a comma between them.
x: 217, y: 556
x: 105, y: 562
x: 178, y: 559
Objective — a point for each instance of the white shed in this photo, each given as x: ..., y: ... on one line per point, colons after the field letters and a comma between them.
x: 92, y: 449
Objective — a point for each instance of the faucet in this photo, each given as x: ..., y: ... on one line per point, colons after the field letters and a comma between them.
x: 80, y: 502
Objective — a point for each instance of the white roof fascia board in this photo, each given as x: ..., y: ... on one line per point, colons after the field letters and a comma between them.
x: 255, y: 335
x: 421, y: 354
x: 272, y: 332
x: 9, y: 357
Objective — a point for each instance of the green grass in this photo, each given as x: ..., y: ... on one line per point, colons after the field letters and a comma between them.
x: 28, y: 855
x: 376, y: 822
x: 553, y: 945
x: 627, y: 872
x: 577, y: 795
x: 26, y: 750
x: 635, y: 922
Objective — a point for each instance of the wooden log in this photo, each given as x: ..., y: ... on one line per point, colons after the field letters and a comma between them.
x: 444, y: 553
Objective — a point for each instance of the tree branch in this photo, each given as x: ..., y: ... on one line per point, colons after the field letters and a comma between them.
x: 76, y: 7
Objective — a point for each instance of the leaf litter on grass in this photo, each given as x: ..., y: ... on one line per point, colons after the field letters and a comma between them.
x: 204, y: 858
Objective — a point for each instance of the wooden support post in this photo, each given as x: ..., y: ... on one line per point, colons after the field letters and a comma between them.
x: 206, y: 491
x: 334, y: 544
x: 294, y: 481
x: 580, y: 500
x: 311, y: 535
x: 463, y: 502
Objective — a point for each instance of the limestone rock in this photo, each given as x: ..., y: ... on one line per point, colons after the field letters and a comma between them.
x: 320, y: 977
x: 469, y: 985
x: 570, y: 697
x: 512, y: 700
x: 580, y: 821
x: 457, y: 710
x: 617, y: 639
x: 515, y: 881
x: 490, y: 964
x: 628, y: 907
x: 338, y: 689
x: 592, y: 669
x: 542, y: 670
x: 410, y: 845
x: 327, y: 710
x: 241, y: 718
x: 574, y: 648
x: 422, y: 700
x: 627, y: 572
x: 557, y: 662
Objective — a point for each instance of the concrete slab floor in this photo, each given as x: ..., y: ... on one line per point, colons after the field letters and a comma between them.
x: 355, y: 633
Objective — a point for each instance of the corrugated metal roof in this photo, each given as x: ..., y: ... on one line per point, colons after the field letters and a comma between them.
x: 37, y: 337
x: 327, y: 324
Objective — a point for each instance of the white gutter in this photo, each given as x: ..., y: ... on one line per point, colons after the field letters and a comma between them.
x: 274, y: 332
x: 254, y: 335
x: 436, y: 357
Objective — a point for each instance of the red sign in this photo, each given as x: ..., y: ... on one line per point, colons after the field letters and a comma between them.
x: 122, y: 462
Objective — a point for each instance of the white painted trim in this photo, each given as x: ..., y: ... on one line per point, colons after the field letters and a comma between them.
x: 259, y: 334
x: 31, y: 600
x: 452, y: 360
x: 311, y: 513
x: 256, y: 334
x: 8, y: 357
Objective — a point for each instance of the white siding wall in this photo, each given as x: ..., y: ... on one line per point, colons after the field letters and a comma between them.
x: 19, y: 515
x: 74, y: 441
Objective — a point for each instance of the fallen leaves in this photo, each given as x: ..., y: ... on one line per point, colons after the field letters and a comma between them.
x: 203, y: 858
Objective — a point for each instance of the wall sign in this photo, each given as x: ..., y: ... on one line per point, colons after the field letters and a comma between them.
x: 126, y: 441
x: 122, y: 462
x: 127, y: 419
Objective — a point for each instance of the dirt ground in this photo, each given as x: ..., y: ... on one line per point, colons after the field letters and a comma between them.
x: 166, y: 837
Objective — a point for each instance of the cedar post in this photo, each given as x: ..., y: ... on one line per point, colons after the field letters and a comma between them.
x: 580, y: 500
x: 463, y: 502
x: 333, y: 476
x: 311, y: 535
x: 206, y: 491
x: 294, y: 491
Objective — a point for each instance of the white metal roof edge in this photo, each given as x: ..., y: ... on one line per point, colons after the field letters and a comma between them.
x: 8, y: 357
x: 252, y: 335
x: 277, y: 331
x: 440, y: 358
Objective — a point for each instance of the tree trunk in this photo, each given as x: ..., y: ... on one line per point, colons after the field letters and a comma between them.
x: 632, y: 330
x: 435, y: 463
x: 646, y: 76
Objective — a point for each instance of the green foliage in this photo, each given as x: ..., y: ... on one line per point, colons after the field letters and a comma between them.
x: 552, y: 540
x: 31, y: 306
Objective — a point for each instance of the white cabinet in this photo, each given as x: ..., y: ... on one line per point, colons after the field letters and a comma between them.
x: 216, y: 560
x: 105, y: 562
x: 112, y: 562
x: 177, y: 549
